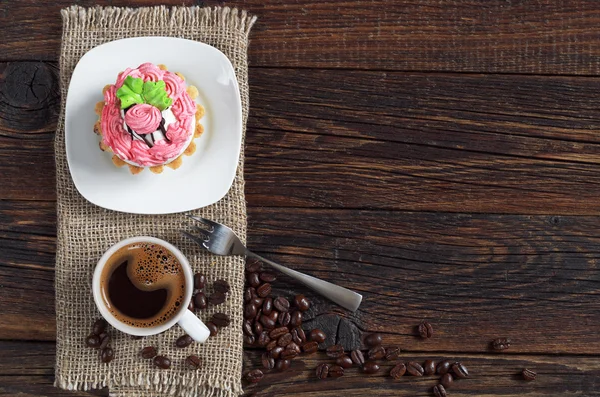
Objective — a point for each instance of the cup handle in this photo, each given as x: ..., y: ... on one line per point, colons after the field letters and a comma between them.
x: 194, y: 327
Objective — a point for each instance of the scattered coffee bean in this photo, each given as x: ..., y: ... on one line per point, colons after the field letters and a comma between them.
x: 446, y: 380
x: 277, y: 332
x: 284, y: 319
x: 392, y: 353
x: 200, y: 301
x: 107, y: 355
x: 344, y: 361
x: 398, y: 371
x: 528, y: 374
x: 220, y: 319
x: 162, y: 362
x: 104, y: 340
x: 249, y: 340
x: 253, y: 280
x: 93, y: 341
x: 281, y: 304
x: 414, y: 369
x: 254, y: 376
x: 99, y: 326
x: 267, y: 306
x: 274, y: 315
x: 298, y: 335
x: 271, y: 345
x: 296, y: 319
x: 267, y: 277
x: 425, y: 330
x: 288, y: 353
x: 373, y: 340
x: 376, y: 353
x: 294, y: 346
x: 221, y: 286
x: 264, y: 290
x: 284, y: 340
x: 252, y: 266
x: 439, y: 391
x: 268, y: 362
x: 258, y: 328
x: 257, y: 302
x: 267, y: 322
x: 370, y: 367
x: 429, y: 367
x: 250, y: 311
x: 444, y: 367
x: 460, y: 370
x: 199, y: 281
x: 317, y: 335
x: 148, y: 352
x: 501, y: 344
x: 310, y: 347
x: 263, y: 339
x: 247, y: 327
x: 357, y: 357
x: 212, y: 327
x: 335, y: 351
x: 191, y: 306
x: 184, y: 341
x: 276, y: 351
x: 249, y: 294
x: 336, y: 371
x: 192, y: 362
x: 282, y: 365
x: 216, y: 298
x: 322, y: 371
x: 301, y: 303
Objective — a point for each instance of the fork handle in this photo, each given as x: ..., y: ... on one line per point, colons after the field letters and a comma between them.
x: 342, y: 296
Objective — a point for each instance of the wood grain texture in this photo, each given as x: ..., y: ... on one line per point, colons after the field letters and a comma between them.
x: 544, y: 37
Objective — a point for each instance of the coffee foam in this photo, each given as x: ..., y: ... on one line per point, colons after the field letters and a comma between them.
x: 149, y: 267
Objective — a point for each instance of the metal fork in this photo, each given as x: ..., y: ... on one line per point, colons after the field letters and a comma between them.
x: 221, y: 240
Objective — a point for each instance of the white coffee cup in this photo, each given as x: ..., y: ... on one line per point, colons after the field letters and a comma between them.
x: 187, y: 320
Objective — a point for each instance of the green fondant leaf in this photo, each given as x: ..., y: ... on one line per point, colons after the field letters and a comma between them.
x: 130, y: 92
x: 155, y: 94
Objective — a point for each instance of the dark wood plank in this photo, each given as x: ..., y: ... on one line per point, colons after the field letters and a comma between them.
x: 545, y: 37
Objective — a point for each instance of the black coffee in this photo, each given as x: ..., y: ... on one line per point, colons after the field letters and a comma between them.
x: 143, y: 285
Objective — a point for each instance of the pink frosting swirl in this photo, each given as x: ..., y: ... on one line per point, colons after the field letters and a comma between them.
x: 143, y: 118
x: 119, y: 140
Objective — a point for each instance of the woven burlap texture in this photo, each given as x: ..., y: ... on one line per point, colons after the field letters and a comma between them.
x: 85, y: 231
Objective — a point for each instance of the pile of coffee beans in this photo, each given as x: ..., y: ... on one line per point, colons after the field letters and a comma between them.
x: 100, y: 339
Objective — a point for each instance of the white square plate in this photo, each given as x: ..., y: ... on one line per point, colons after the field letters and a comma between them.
x: 203, y: 178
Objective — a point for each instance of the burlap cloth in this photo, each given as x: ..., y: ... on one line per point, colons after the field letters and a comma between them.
x: 85, y: 231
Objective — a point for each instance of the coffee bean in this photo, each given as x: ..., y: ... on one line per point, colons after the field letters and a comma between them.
x: 104, y: 340
x: 344, y: 361
x: 92, y: 341
x: 276, y: 351
x: 220, y: 319
x: 192, y: 362
x: 284, y: 339
x: 272, y: 344
x: 277, y: 332
x: 263, y: 339
x: 267, y: 306
x: 184, y: 341
x: 429, y: 367
x: 392, y: 353
x: 288, y: 354
x: 322, y: 371
x: 247, y: 327
x: 425, y: 330
x: 336, y: 371
x: 212, y: 327
x: 335, y: 351
x: 267, y: 322
x: 460, y: 370
x: 199, y: 281
x: 373, y: 340
x: 446, y: 380
x: 107, y: 355
x: 200, y: 301
x: 444, y: 367
x: 501, y: 344
x: 258, y: 313
x: 528, y: 374
x: 376, y: 353
x: 282, y: 365
x: 310, y: 347
x: 252, y: 266
x: 221, y: 286
x: 357, y: 357
x: 398, y: 371
x: 162, y: 362
x: 296, y: 319
x: 281, y: 304
x: 216, y: 298
x: 370, y: 367
x: 267, y: 277
x: 99, y: 326
x: 254, y: 376
x: 274, y: 315
x: 249, y: 340
x: 414, y: 369
x: 148, y: 352
x: 439, y: 391
x: 301, y: 303
x: 249, y: 294
x: 264, y: 290
x: 294, y: 346
x: 191, y: 306
x: 250, y: 311
x: 268, y: 362
x: 284, y: 319
x: 298, y: 335
x: 317, y: 335
x: 258, y: 328
x: 253, y: 280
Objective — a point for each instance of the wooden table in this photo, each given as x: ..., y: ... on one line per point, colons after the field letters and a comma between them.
x: 440, y: 157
